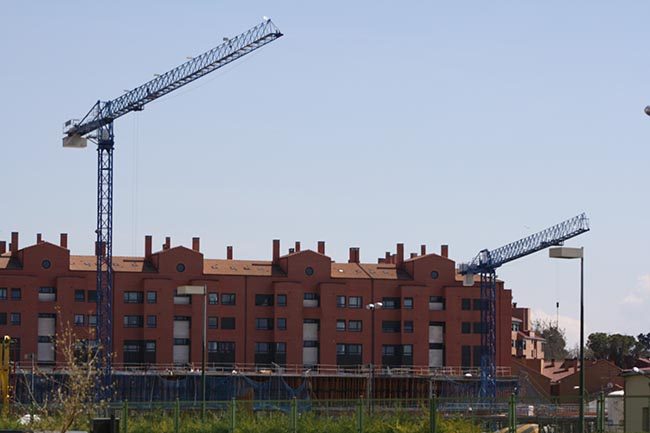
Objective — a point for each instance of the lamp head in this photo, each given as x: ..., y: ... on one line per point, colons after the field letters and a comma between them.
x: 647, y: 110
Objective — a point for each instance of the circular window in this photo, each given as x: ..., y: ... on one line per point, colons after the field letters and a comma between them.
x: 309, y: 271
x: 434, y: 275
x: 46, y: 264
x: 180, y: 267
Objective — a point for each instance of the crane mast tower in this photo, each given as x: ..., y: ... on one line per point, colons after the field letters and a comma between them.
x: 97, y: 126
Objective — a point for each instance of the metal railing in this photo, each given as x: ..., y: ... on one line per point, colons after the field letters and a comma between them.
x: 286, y: 369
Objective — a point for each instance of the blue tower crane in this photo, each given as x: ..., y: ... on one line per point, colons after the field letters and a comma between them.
x: 97, y: 126
x: 485, y: 264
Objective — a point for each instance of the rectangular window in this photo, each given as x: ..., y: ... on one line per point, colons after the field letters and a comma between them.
x: 355, y: 302
x: 408, y: 326
x: 80, y: 296
x: 270, y: 353
x: 221, y: 352
x: 16, y: 294
x: 340, y: 325
x: 152, y: 321
x: 133, y: 297
x: 181, y: 341
x: 14, y: 350
x: 355, y: 325
x: 354, y: 349
x: 465, y: 327
x: 227, y: 323
x: 478, y: 351
x: 213, y: 322
x: 133, y: 321
x: 465, y: 304
x: 390, y: 326
x: 45, y: 294
x: 213, y: 298
x: 282, y: 300
x: 264, y: 324
x: 3, y: 293
x: 264, y: 300
x: 92, y: 296
x: 152, y: 297
x: 282, y: 323
x: 436, y: 303
x: 92, y: 319
x: 262, y: 347
x: 310, y: 300
x: 390, y: 303
x: 477, y: 328
x: 3, y: 318
x: 228, y: 299
x: 478, y: 304
x: 139, y: 351
x: 466, y: 356
x: 14, y: 319
x: 79, y: 320
x: 340, y: 301
x: 645, y: 419
x: 408, y: 303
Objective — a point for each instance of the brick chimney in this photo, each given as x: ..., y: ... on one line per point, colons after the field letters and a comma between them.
x: 423, y: 250
x: 39, y: 238
x: 276, y: 250
x: 321, y: 247
x: 297, y: 246
x: 414, y: 255
x: 196, y: 244
x: 14, y: 243
x: 354, y: 255
x: 399, y: 260
x: 3, y: 247
x: 291, y: 251
x: 167, y: 244
x: 444, y: 250
x: 63, y: 240
x: 387, y: 257
x: 148, y: 240
x: 229, y: 252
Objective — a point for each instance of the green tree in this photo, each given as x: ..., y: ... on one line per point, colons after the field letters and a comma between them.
x: 642, y: 346
x: 617, y: 348
x: 598, y: 343
x: 620, y: 348
x: 555, y: 347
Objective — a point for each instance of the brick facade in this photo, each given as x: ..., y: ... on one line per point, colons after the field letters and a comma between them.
x: 305, y: 287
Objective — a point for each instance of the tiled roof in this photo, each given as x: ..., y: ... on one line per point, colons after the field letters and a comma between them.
x: 348, y: 270
x: 120, y: 264
x: 383, y: 271
x: 240, y: 267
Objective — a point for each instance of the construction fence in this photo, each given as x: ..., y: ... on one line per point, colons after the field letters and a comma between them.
x: 511, y: 415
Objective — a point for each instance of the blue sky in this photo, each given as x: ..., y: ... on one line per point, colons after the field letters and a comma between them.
x: 469, y: 123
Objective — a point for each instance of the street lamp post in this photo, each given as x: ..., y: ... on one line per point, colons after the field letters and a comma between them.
x: 200, y: 290
x: 577, y: 253
x: 372, y: 307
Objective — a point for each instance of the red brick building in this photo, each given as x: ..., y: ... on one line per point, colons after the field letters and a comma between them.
x: 300, y: 308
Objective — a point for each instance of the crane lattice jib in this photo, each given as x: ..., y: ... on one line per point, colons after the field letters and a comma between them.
x: 488, y: 261
x: 134, y: 100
